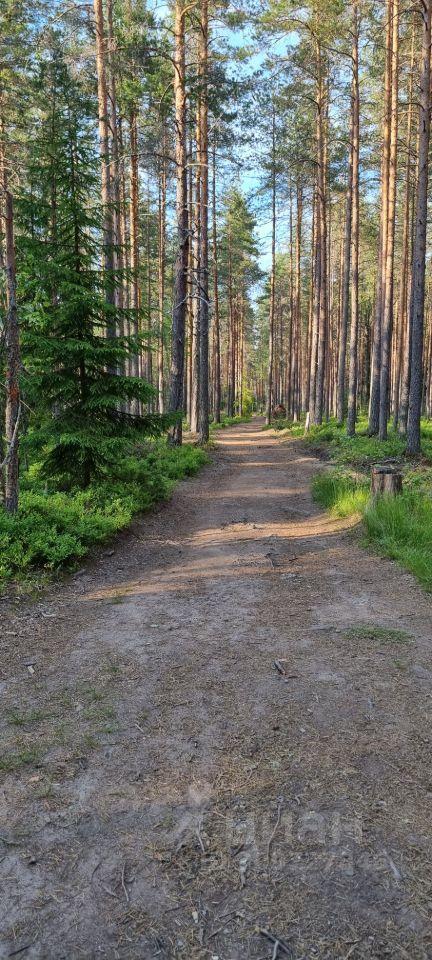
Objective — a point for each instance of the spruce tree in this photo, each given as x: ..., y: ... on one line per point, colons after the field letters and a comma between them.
x: 73, y: 370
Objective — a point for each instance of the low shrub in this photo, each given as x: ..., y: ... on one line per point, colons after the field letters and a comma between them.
x: 229, y: 422
x: 54, y: 529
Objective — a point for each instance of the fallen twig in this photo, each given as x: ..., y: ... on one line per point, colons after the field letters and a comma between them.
x: 15, y: 953
x: 123, y: 883
x: 276, y: 941
x: 230, y: 917
x: 276, y: 827
x: 200, y: 839
x: 107, y: 890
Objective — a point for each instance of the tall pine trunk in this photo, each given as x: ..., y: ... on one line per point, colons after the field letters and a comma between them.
x: 322, y: 121
x: 104, y: 152
x: 270, y: 374
x: 401, y: 393
x: 353, y: 357
x: 419, y: 246
x: 181, y: 264
x: 203, y: 286
x: 387, y: 315
x: 345, y: 283
x: 216, y: 318
x: 10, y: 464
x: 374, y: 402
x: 135, y: 299
x: 161, y: 272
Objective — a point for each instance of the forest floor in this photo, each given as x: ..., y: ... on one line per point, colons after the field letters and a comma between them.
x: 216, y: 738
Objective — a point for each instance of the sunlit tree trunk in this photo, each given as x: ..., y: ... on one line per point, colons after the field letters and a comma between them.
x: 181, y: 265
x: 374, y: 403
x: 203, y: 419
x: 196, y: 273
x: 216, y: 318
x: 104, y: 152
x: 345, y: 283
x: 114, y: 165
x: 322, y: 109
x: 10, y: 463
x: 270, y: 373
x: 353, y: 358
x: 134, y: 242
x: 401, y: 390
x: 387, y: 314
x: 420, y: 231
x: 161, y: 273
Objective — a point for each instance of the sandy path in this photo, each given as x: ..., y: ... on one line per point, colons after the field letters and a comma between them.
x: 173, y: 794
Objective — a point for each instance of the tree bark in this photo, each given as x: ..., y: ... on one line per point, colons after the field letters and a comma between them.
x: 420, y: 231
x: 387, y: 318
x: 374, y: 403
x: 203, y: 286
x: 322, y: 109
x: 161, y: 273
x: 196, y: 273
x: 345, y: 284
x: 13, y: 360
x: 135, y: 299
x: 272, y: 278
x: 401, y: 391
x: 353, y: 361
x: 181, y: 264
x: 216, y: 318
x: 104, y: 152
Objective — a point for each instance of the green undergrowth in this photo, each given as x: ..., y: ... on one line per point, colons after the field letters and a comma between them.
x: 229, y: 422
x: 330, y: 440
x: 340, y: 492
x: 283, y: 424
x: 55, y: 529
x: 397, y: 527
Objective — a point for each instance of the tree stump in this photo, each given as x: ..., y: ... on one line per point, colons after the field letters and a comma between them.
x: 386, y: 480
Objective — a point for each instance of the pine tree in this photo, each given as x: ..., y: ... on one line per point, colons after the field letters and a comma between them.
x: 71, y: 364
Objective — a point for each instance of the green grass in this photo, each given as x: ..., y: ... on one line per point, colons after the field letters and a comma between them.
x: 27, y: 718
x: 377, y: 634
x: 295, y: 429
x: 340, y: 492
x: 402, y: 529
x: 13, y: 761
x: 229, y: 422
x: 397, y: 527
x: 54, y: 529
x: 361, y: 450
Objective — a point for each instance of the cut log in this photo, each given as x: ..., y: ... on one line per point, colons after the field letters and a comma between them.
x: 386, y: 480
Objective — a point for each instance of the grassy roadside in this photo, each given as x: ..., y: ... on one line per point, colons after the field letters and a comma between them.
x: 229, y: 422
x: 53, y: 530
x: 396, y: 527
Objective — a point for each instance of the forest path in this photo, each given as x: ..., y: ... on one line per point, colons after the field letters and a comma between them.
x: 174, y: 794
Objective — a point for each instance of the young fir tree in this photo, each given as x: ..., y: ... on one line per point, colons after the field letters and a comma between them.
x: 73, y: 370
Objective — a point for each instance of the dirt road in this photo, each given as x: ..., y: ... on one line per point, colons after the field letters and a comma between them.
x: 167, y: 790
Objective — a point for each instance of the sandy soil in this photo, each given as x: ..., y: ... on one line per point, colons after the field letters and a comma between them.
x: 167, y: 790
